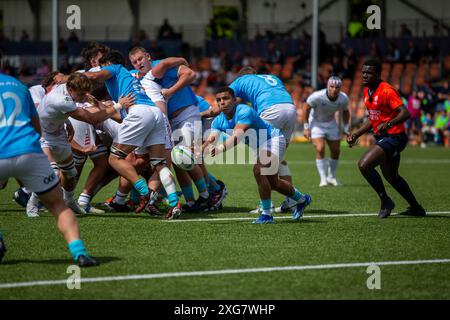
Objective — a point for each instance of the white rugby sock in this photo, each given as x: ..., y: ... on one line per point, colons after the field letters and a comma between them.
x: 322, y: 168
x: 332, y: 165
x: 67, y: 195
x: 120, y: 197
x: 167, y: 180
x: 84, y: 199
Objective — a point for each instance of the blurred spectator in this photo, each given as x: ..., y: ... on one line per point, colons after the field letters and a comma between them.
x: 349, y: 63
x: 374, y: 50
x: 3, y: 37
x: 440, y: 126
x: 72, y: 37
x: 166, y: 31
x: 44, y: 69
x: 393, y: 53
x: 274, y: 54
x: 142, y: 35
x: 338, y: 68
x: 414, y: 124
x: 431, y: 53
x: 405, y: 32
x: 412, y: 54
x: 65, y: 67
x: 427, y: 129
x: 24, y: 36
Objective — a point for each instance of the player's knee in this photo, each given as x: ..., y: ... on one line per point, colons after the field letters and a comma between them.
x: 117, y: 153
x: 284, y: 170
x: 68, y: 170
x: 156, y: 162
x: 363, y: 166
x: 257, y: 170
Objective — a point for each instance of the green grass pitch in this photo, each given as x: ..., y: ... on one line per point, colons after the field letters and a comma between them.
x: 137, y: 244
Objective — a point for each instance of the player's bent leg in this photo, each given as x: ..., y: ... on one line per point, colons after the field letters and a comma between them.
x: 367, y: 164
x: 265, y: 192
x: 335, y: 150
x: 390, y: 173
x: 68, y: 226
x: 157, y: 160
x: 117, y: 160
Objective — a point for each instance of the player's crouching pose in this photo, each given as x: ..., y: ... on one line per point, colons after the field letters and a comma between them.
x: 21, y: 157
x: 54, y: 110
x: 271, y: 147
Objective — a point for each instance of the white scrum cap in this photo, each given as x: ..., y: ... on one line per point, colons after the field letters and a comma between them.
x: 334, y: 81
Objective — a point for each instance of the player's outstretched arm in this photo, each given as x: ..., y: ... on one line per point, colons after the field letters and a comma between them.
x: 346, y: 120
x: 238, y: 133
x: 94, y: 117
x: 99, y: 76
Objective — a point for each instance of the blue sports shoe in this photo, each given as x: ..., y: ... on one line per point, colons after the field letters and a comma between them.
x: 263, y: 219
x: 298, y: 212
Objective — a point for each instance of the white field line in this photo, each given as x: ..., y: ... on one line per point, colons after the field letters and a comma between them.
x: 276, y: 217
x: 355, y: 162
x: 221, y: 272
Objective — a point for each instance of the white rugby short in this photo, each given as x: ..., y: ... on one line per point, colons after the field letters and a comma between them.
x: 32, y: 169
x: 58, y: 145
x: 326, y: 130
x: 277, y: 147
x: 142, y: 127
x: 187, y: 125
x: 281, y: 116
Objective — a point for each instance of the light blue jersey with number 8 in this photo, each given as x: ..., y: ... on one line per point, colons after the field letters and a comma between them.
x: 261, y: 90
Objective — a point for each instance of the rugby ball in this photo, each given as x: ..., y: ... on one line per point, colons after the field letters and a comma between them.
x: 183, y: 157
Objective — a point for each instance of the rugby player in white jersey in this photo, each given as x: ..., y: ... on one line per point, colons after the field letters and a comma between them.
x: 321, y: 127
x: 53, y: 111
x: 22, y: 195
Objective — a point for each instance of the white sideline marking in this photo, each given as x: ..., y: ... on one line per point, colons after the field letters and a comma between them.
x: 404, y: 161
x: 337, y: 215
x: 220, y: 272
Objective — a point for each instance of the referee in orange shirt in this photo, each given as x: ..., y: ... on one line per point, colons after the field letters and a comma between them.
x: 387, y: 115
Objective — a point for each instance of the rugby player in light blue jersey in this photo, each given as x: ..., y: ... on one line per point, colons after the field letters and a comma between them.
x: 274, y: 105
x: 142, y: 126
x: 270, y: 145
x: 185, y: 121
x: 21, y: 157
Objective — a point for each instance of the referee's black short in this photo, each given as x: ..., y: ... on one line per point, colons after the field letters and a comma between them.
x: 392, y: 144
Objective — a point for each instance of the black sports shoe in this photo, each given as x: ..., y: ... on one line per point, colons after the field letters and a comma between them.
x: 199, y: 205
x: 87, y: 261
x: 2, y: 249
x: 115, y: 207
x: 21, y: 197
x: 152, y: 210
x: 418, y: 211
x: 387, y: 205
